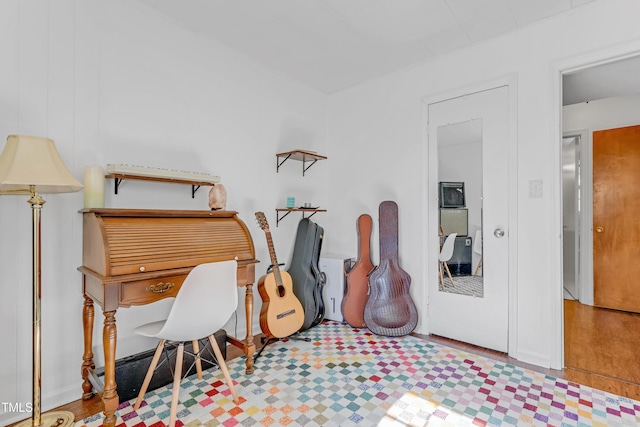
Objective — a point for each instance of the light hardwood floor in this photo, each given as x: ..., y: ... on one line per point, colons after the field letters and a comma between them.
x: 601, y: 348
x: 600, y: 351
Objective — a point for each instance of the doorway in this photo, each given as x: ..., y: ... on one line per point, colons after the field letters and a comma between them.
x: 594, y: 358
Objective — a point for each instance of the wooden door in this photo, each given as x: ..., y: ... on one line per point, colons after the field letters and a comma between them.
x: 616, y: 227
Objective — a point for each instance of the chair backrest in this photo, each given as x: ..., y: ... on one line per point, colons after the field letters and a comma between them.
x: 205, y: 302
x: 477, y: 243
x: 447, y: 248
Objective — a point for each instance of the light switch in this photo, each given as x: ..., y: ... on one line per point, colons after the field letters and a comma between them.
x: 535, y: 188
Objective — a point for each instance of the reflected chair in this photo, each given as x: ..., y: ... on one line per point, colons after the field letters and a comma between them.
x: 477, y: 248
x: 205, y: 302
x: 446, y: 253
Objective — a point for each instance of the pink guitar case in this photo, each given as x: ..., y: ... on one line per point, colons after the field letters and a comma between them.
x: 389, y: 310
x: 357, y: 283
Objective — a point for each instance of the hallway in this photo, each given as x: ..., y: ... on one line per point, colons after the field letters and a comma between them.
x: 601, y: 348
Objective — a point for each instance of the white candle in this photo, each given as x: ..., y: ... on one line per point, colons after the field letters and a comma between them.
x: 93, y: 187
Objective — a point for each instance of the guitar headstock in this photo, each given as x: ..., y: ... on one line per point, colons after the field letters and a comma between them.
x: 262, y: 221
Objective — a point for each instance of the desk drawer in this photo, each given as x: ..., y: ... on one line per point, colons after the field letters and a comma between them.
x: 148, y: 291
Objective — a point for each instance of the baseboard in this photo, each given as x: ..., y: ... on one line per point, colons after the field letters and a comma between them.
x: 533, y: 358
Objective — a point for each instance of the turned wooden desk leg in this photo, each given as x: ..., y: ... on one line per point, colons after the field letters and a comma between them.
x: 249, y: 345
x: 110, y: 395
x: 87, y: 358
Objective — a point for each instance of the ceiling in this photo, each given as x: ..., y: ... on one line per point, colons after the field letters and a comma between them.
x: 331, y: 45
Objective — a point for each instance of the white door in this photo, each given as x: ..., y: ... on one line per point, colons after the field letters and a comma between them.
x: 479, y: 316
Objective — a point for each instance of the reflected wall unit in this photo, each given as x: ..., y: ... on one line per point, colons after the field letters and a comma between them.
x: 452, y: 195
x: 454, y: 221
x: 460, y: 262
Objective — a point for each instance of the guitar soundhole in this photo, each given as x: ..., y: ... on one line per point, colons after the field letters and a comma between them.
x: 280, y: 290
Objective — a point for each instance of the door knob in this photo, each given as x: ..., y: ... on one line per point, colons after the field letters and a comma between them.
x: 599, y: 229
x: 498, y: 232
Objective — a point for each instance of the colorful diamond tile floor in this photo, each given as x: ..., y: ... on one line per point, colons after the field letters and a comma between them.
x: 350, y: 377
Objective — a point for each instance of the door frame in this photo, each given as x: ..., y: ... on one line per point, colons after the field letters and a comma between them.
x: 430, y: 253
x: 557, y: 70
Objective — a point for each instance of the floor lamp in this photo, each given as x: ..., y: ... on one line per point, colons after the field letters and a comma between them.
x: 30, y: 165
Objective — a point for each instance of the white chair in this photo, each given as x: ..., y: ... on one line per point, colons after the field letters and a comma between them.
x: 477, y: 248
x: 205, y: 302
x: 445, y: 255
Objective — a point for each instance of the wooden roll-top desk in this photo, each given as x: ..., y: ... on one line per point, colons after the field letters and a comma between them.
x: 139, y: 256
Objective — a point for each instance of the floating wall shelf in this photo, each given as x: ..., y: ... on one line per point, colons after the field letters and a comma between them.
x: 287, y: 211
x: 195, y: 185
x: 300, y: 155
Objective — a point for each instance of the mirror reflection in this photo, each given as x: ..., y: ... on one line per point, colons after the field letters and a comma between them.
x: 460, y: 208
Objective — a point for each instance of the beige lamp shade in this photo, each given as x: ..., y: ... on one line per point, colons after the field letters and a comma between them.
x: 33, y: 161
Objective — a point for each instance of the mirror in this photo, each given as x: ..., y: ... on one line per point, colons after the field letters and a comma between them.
x: 460, y: 208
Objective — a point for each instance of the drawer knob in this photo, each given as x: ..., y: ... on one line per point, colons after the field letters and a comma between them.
x: 142, y: 269
x: 160, y: 288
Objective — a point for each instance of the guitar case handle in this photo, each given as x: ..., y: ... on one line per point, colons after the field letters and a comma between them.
x: 322, y: 279
x: 270, y: 268
x: 349, y: 265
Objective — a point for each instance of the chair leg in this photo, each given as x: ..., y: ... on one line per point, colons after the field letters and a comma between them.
x: 449, y: 274
x: 196, y: 351
x: 223, y: 367
x: 177, y: 379
x: 441, y: 278
x: 475, y: 273
x: 147, y: 378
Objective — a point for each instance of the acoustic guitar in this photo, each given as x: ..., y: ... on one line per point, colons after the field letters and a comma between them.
x: 389, y: 310
x: 357, y: 279
x: 281, y: 314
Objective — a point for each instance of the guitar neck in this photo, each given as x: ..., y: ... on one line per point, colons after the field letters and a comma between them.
x: 274, y: 261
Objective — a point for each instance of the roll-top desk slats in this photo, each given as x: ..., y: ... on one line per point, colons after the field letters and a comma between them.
x: 116, y: 245
x: 139, y: 256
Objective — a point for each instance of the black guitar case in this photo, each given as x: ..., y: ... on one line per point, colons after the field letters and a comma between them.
x: 308, y: 280
x: 321, y: 278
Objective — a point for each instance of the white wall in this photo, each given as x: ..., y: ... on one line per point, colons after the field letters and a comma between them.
x: 113, y: 83
x: 376, y: 134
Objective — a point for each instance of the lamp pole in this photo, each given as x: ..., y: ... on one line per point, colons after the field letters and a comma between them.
x: 53, y: 418
x: 36, y: 208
